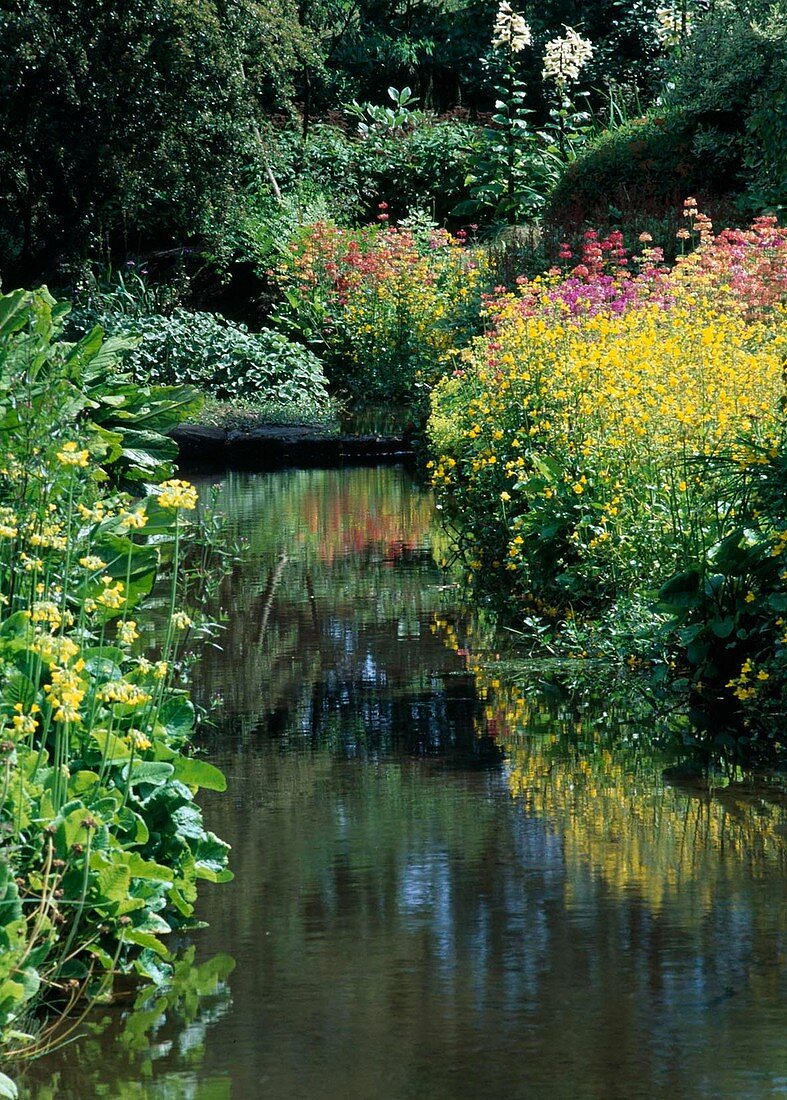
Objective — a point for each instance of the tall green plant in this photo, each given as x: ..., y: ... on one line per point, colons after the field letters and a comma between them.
x: 102, y: 842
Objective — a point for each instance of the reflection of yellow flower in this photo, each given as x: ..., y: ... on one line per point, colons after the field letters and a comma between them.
x: 72, y: 456
x: 178, y: 494
x: 181, y: 621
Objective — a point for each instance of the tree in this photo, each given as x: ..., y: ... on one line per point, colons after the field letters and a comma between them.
x: 131, y: 122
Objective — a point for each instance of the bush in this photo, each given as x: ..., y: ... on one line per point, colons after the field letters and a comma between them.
x: 132, y: 124
x: 731, y: 82
x: 636, y: 177
x: 221, y: 359
x: 420, y: 168
x: 387, y: 306
x: 616, y: 432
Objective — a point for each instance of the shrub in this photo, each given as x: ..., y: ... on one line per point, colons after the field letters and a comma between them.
x: 421, y: 168
x: 635, y: 177
x: 386, y: 305
x: 222, y: 359
x: 730, y: 81
x: 584, y: 444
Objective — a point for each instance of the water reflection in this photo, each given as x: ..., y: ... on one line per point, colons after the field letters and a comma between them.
x: 445, y: 886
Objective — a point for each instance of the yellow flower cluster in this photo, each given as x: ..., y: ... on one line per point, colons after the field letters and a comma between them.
x: 71, y: 455
x: 112, y: 595
x: 178, y: 494
x: 121, y: 691
x: 613, y: 414
x: 66, y: 692
x: 55, y: 649
x: 127, y: 632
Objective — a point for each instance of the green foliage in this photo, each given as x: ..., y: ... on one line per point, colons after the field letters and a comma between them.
x: 726, y: 609
x: 226, y: 361
x: 130, y: 123
x: 103, y: 842
x: 511, y: 171
x: 636, y: 175
x: 420, y: 167
x: 85, y: 381
x: 730, y: 81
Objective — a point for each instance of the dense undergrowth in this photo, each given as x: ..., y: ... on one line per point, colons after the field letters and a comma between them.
x: 613, y: 450
x: 103, y: 842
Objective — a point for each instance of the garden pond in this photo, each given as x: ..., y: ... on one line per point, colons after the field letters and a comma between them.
x: 448, y: 883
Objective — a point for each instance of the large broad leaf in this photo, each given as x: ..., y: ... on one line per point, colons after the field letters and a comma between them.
x: 153, y: 408
x: 177, y: 716
x: 114, y: 748
x: 145, y: 939
x: 150, y: 453
x: 15, y: 311
x: 106, y: 358
x: 155, y: 772
x: 8, y: 1090
x: 681, y: 592
x: 199, y: 773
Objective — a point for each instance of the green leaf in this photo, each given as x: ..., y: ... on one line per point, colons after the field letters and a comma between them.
x: 198, y: 773
x: 148, y: 771
x: 177, y: 716
x: 681, y: 591
x: 723, y: 628
x: 112, y: 746
x: 145, y: 939
x: 8, y: 1090
x: 144, y: 868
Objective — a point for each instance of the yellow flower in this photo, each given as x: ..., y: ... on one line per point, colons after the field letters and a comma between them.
x: 121, y: 691
x: 181, y: 621
x: 46, y: 611
x: 135, y: 520
x: 127, y: 632
x: 112, y: 596
x: 178, y: 494
x: 24, y: 724
x: 70, y: 455
x: 92, y: 562
x: 138, y: 740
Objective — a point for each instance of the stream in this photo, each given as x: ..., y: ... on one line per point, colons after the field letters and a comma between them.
x: 445, y: 886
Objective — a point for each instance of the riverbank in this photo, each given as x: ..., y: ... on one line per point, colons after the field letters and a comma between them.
x: 279, y: 446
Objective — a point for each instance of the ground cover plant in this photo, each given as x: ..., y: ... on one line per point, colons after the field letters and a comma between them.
x: 618, y: 436
x: 103, y: 844
x: 261, y: 373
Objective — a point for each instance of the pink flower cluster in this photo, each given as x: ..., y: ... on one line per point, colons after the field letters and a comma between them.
x: 745, y: 269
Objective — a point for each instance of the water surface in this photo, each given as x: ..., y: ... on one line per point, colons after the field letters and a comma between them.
x: 446, y: 886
